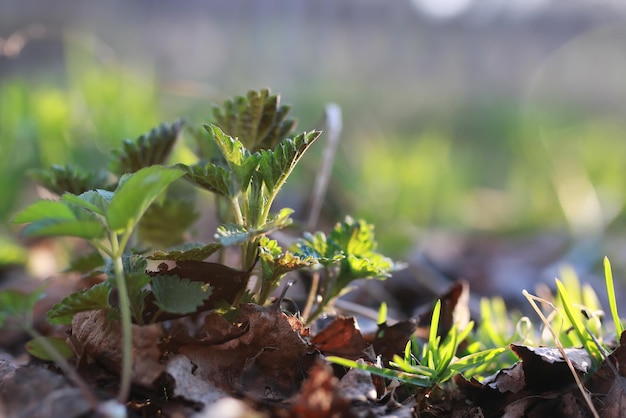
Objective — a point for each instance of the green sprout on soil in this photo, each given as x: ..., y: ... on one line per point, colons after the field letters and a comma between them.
x: 131, y: 217
x: 435, y: 362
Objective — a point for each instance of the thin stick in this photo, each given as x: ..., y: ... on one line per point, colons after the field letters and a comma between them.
x: 333, y: 130
x: 557, y: 342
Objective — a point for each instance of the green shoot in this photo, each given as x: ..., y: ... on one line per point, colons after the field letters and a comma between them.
x: 610, y: 290
x: 436, y: 362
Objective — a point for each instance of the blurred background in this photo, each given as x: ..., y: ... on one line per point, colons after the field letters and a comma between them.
x: 485, y: 139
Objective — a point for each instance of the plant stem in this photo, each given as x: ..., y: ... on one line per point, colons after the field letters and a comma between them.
x: 127, y: 330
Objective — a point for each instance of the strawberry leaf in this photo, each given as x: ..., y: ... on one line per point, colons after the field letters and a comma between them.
x: 179, y: 296
x: 96, y: 297
x: 135, y: 194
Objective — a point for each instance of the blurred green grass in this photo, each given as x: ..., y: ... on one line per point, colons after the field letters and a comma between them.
x: 480, y: 166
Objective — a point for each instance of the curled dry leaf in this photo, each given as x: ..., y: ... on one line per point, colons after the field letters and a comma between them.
x: 545, y: 369
x: 100, y: 339
x: 341, y: 338
x: 266, y: 362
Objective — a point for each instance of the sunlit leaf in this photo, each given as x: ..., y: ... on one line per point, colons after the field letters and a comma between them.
x: 133, y: 197
x: 277, y: 164
x: 231, y: 234
x: 210, y: 177
x: 45, y: 209
x: 96, y: 201
x: 189, y: 251
x: 240, y: 161
x: 414, y: 379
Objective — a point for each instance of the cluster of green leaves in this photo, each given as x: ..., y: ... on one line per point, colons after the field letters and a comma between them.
x: 347, y: 253
x: 114, y: 212
x: 436, y: 361
x: 578, y: 316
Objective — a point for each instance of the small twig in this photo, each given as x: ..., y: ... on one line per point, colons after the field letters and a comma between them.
x: 315, y: 283
x: 333, y: 130
x: 557, y: 342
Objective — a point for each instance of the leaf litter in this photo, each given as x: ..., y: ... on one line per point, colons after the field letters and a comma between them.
x: 264, y: 362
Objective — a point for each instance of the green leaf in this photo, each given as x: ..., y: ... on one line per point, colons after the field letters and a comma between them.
x: 210, y: 177
x: 45, y: 209
x: 70, y: 179
x: 87, y: 229
x: 165, y: 224
x: 232, y: 234
x: 240, y: 161
x: 86, y: 263
x: 610, y: 289
x: 413, y: 379
x: 136, y: 283
x: 150, y: 149
x: 318, y: 247
x: 40, y: 348
x: 96, y: 297
x: 133, y: 197
x: 474, y: 360
x: 276, y: 164
x: 228, y: 234
x: 15, y: 303
x: 189, y: 251
x: 355, y: 237
x: 179, y: 296
x: 258, y: 119
x: 96, y: 201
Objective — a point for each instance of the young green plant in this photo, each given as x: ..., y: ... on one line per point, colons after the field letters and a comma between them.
x: 437, y: 360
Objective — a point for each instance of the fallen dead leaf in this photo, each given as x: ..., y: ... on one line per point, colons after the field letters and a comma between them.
x: 318, y: 397
x: 546, y: 370
x: 188, y: 385
x: 341, y: 338
x: 267, y: 362
x: 100, y: 339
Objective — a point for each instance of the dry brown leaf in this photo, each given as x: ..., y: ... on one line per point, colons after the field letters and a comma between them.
x: 188, y: 386
x: 318, y: 397
x: 267, y: 362
x: 341, y: 338
x: 546, y: 370
x: 391, y: 340
x: 100, y: 338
